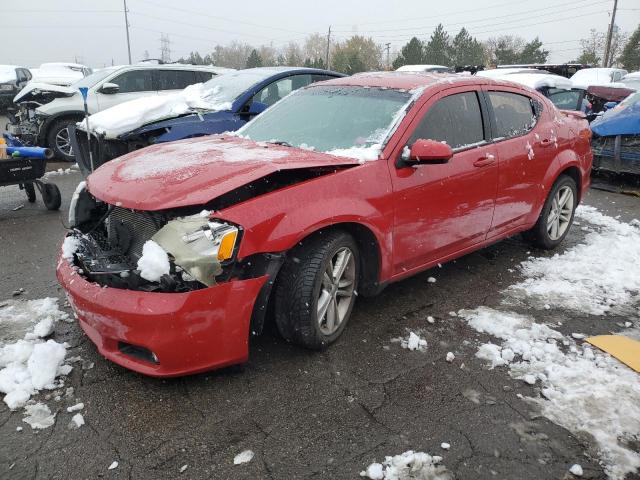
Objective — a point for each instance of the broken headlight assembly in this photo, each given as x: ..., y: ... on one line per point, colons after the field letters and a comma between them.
x: 200, y: 246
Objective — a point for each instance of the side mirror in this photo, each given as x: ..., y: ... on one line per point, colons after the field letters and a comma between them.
x: 427, y: 152
x: 110, y: 88
x: 256, y: 108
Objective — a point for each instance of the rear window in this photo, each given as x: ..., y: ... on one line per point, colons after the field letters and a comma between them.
x: 456, y: 120
x: 564, y: 99
x: 513, y: 113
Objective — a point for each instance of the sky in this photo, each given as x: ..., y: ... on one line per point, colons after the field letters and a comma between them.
x: 93, y: 32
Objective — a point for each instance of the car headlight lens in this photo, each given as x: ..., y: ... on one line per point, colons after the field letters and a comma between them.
x: 214, y: 239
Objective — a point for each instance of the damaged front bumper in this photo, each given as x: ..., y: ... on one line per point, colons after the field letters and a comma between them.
x: 165, y: 334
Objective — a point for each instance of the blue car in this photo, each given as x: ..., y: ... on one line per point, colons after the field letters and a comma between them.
x: 616, y: 137
x: 238, y: 97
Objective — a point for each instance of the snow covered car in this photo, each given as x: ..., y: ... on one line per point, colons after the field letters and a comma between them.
x: 631, y: 80
x: 45, y: 110
x: 60, y: 73
x: 616, y: 138
x: 178, y: 251
x: 425, y: 68
x: 12, y: 79
x: 222, y: 104
x: 556, y: 88
x: 592, y: 77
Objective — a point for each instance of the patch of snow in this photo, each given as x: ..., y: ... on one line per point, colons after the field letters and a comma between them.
x: 77, y: 420
x: 413, y: 342
x: 576, y: 470
x: 38, y: 416
x: 243, y: 457
x: 113, y: 465
x: 450, y: 357
x: 363, y: 154
x: 406, y: 466
x: 183, y: 468
x: 431, y: 280
x: 30, y: 364
x: 445, y: 446
x: 128, y: 116
x: 593, y: 277
x: 70, y: 247
x: 75, y: 408
x: 154, y: 262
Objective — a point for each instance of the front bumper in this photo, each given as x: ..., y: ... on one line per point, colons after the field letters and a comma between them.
x: 186, y: 332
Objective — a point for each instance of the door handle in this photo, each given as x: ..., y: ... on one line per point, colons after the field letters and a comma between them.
x: 545, y: 142
x: 488, y: 159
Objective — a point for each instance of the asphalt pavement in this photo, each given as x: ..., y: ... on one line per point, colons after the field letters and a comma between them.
x: 304, y: 414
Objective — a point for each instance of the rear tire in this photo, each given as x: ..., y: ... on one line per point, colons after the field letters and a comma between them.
x: 59, y: 141
x: 557, y: 215
x: 51, y: 196
x: 316, y: 290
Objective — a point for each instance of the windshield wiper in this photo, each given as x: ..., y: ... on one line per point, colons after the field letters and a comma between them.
x: 280, y: 142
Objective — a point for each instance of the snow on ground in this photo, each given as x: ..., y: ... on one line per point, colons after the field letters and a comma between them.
x: 30, y: 364
x: 594, y: 277
x: 582, y: 388
x: 412, y: 342
x: 243, y: 457
x: 62, y: 171
x: 154, y: 262
x: 408, y: 465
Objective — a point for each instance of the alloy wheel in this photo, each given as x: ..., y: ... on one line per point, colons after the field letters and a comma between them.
x: 560, y: 213
x: 63, y: 142
x: 337, y: 291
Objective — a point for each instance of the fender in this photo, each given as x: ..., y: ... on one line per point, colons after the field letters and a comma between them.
x: 277, y: 221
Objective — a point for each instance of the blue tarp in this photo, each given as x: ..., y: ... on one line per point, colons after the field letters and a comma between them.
x: 621, y: 120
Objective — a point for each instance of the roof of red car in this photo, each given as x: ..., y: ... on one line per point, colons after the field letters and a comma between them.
x: 403, y: 80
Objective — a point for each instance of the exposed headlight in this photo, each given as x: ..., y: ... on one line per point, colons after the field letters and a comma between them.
x: 199, y: 245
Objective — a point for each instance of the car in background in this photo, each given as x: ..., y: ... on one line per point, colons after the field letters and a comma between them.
x: 631, y: 80
x: 594, y: 77
x: 616, y: 137
x: 60, y: 73
x: 222, y: 104
x: 558, y: 89
x: 336, y: 191
x: 45, y: 111
x: 12, y: 79
x: 425, y: 68
x: 562, y: 69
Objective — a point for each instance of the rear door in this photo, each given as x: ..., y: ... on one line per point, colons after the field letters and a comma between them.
x: 443, y: 209
x: 523, y: 155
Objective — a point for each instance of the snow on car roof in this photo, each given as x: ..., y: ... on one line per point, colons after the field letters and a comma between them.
x: 537, y: 80
x: 401, y: 80
x: 418, y: 68
x: 502, y: 72
x: 8, y: 73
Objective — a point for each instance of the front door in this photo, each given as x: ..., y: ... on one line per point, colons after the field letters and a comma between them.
x: 446, y: 208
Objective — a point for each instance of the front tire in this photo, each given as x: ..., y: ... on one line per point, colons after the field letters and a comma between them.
x: 556, y: 216
x: 59, y: 141
x: 316, y: 290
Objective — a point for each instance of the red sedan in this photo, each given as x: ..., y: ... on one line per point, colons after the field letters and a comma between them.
x: 179, y: 250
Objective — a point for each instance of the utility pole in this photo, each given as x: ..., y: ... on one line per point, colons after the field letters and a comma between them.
x: 165, y: 48
x: 607, y: 48
x: 388, y: 45
x: 328, y: 42
x: 126, y: 24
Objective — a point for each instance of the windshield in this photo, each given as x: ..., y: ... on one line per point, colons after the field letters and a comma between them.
x: 90, y: 80
x: 328, y: 118
x: 229, y: 86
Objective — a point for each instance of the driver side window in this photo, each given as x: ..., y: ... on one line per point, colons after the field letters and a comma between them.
x: 455, y: 120
x: 277, y: 90
x: 135, y: 81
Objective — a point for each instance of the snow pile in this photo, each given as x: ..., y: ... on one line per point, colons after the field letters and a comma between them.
x: 154, y: 262
x: 39, y: 416
x: 363, y: 154
x: 593, y: 277
x: 185, y: 159
x: 70, y: 247
x: 582, y: 388
x: 412, y: 342
x: 128, y: 116
x: 408, y: 465
x: 30, y: 364
x: 243, y: 457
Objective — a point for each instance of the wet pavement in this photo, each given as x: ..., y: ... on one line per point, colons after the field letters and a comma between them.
x: 304, y: 414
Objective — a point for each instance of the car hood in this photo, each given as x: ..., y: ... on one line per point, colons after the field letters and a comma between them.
x: 185, y: 119
x: 195, y: 171
x: 36, y: 91
x: 618, y: 121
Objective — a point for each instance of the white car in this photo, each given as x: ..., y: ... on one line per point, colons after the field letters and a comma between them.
x: 59, y: 73
x: 592, y: 77
x: 12, y: 79
x: 631, y: 80
x: 46, y: 111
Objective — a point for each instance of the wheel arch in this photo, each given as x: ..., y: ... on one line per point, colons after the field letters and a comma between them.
x: 50, y: 121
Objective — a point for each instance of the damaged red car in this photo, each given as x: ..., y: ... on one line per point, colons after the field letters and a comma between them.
x: 179, y: 252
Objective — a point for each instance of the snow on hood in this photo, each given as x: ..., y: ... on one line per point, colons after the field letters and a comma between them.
x: 128, y: 116
x: 32, y: 87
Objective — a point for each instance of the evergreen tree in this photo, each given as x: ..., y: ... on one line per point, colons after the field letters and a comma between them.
x: 466, y: 50
x: 438, y: 49
x: 505, y: 53
x: 533, y: 52
x: 411, y: 54
x: 254, y: 59
x: 630, y: 57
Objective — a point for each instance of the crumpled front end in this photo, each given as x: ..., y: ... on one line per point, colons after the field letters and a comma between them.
x: 192, y: 316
